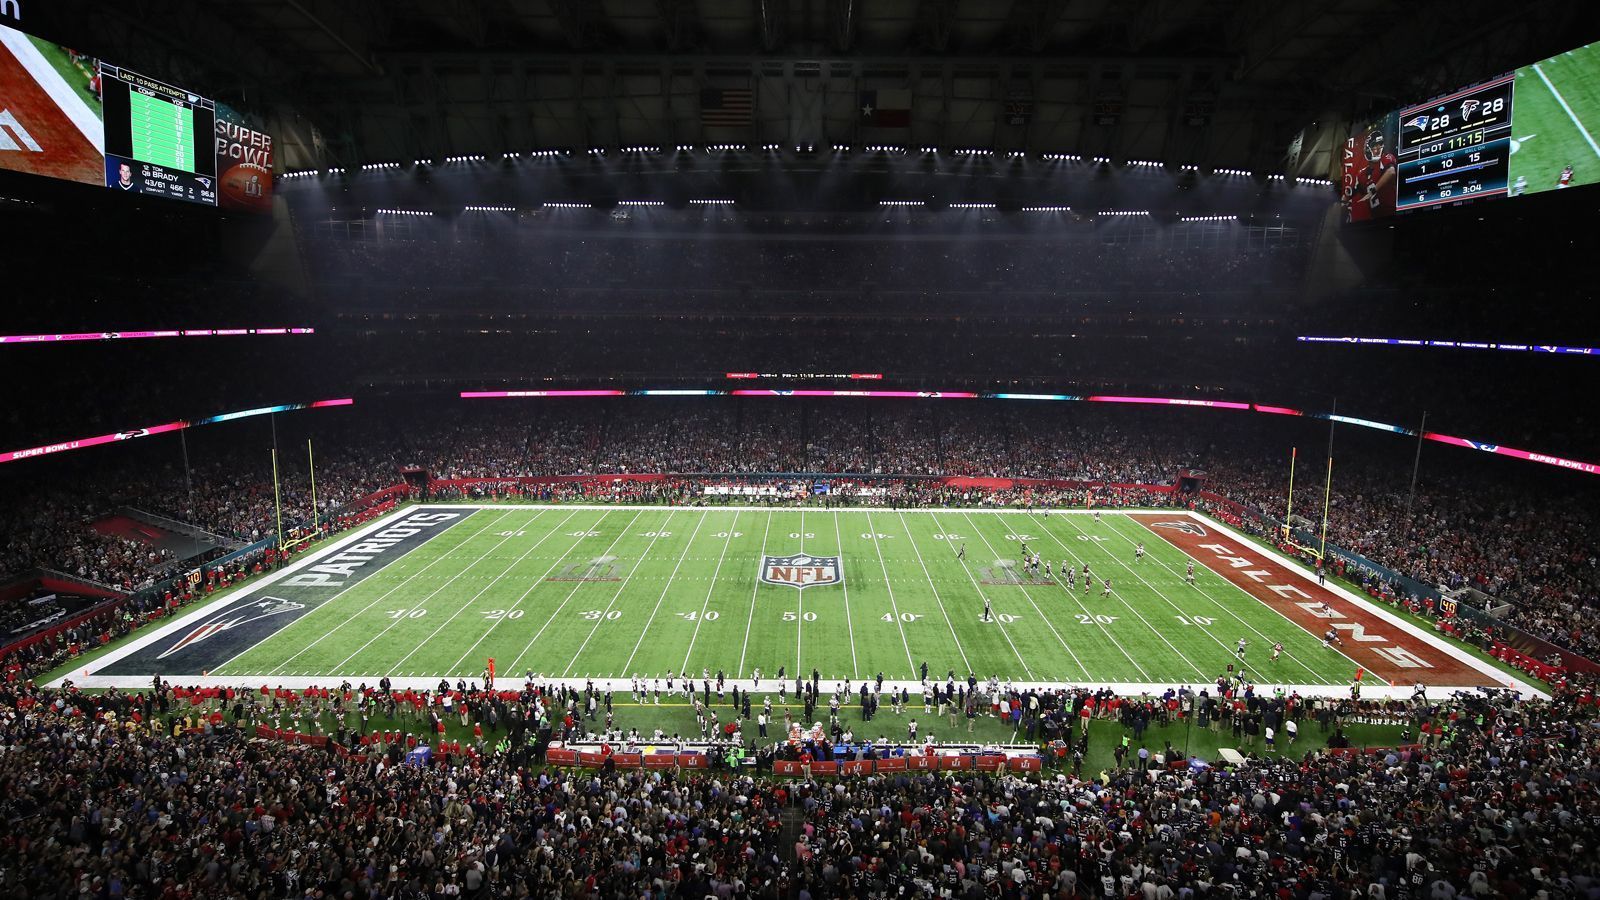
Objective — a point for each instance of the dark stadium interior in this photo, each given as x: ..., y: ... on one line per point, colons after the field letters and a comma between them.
x: 980, y: 248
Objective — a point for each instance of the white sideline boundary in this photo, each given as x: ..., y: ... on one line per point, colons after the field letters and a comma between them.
x: 621, y: 685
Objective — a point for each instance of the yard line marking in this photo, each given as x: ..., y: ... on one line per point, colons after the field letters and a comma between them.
x: 621, y: 532
x: 1117, y: 560
x: 1004, y: 632
x: 1125, y: 604
x: 838, y: 541
x: 1570, y: 114
x: 705, y: 604
x: 664, y: 588
x: 1313, y: 672
x: 906, y: 526
x: 800, y: 601
x: 624, y: 584
x: 390, y: 627
x: 531, y: 587
x: 898, y: 623
x: 1046, y: 619
x: 385, y: 595
x: 1083, y: 606
x: 753, y: 592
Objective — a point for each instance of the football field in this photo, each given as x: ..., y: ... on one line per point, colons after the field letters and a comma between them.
x: 612, y: 592
x: 1557, y: 120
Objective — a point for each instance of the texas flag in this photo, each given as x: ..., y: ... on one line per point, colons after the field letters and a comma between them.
x: 889, y: 108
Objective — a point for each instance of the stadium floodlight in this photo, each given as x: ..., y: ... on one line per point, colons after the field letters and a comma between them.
x: 712, y: 202
x: 641, y: 203
x: 1047, y: 209
x: 566, y: 204
x: 930, y: 149
x: 972, y: 206
x: 1208, y: 218
x: 1103, y: 160
x: 770, y: 147
x: 1144, y: 164
x: 1124, y: 212
x: 422, y: 162
x: 404, y: 212
x: 1188, y: 167
x: 336, y: 170
x: 899, y: 202
x: 372, y: 167
x: 490, y: 208
x: 1063, y: 157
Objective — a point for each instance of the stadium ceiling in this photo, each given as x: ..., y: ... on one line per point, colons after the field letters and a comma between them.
x: 1211, y: 82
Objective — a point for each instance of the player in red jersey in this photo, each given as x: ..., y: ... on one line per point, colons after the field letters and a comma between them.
x: 1566, y: 177
x: 1369, y: 175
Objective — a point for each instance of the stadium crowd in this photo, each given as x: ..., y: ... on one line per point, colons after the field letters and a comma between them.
x: 170, y: 792
x: 1464, y: 532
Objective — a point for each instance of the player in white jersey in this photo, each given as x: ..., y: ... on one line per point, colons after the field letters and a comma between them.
x: 1106, y: 583
x: 1070, y: 574
x: 1330, y: 638
x: 1277, y: 649
x: 1239, y: 650
x: 1047, y: 571
x: 1097, y: 516
x: 1138, y: 553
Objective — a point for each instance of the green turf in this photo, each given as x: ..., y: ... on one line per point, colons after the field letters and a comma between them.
x: 677, y: 717
x: 684, y: 596
x: 77, y: 76
x: 1548, y: 138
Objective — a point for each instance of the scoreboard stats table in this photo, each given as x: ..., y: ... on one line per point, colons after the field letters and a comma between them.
x: 1457, y: 147
x: 158, y: 138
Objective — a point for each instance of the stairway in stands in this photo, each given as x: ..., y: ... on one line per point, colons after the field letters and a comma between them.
x: 794, y: 819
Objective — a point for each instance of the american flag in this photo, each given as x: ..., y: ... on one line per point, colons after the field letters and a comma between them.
x: 727, y: 107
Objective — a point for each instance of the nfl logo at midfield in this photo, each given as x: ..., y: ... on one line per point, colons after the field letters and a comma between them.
x: 801, y: 570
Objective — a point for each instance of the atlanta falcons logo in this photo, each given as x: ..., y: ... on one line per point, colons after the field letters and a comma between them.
x: 1182, y: 525
x: 233, y: 618
x: 1467, y: 107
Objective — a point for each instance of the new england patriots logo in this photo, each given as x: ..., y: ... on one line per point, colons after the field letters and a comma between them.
x: 801, y: 570
x: 1419, y: 122
x: 1487, y: 448
x: 1183, y: 525
x: 1468, y: 107
x: 233, y: 618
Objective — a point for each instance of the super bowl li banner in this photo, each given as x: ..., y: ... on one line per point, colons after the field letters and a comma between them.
x: 244, y: 163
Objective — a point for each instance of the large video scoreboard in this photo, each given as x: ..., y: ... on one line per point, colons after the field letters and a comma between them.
x: 67, y: 115
x: 1457, y: 147
x: 1532, y: 130
x: 158, y: 138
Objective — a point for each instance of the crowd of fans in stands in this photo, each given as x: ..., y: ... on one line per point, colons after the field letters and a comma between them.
x: 168, y: 793
x: 1461, y: 534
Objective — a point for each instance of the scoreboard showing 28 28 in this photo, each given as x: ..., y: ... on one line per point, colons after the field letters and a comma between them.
x: 1457, y: 147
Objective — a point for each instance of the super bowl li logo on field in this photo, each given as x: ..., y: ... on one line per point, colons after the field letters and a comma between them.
x: 801, y: 570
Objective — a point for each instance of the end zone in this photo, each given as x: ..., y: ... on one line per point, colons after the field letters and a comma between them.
x: 1397, y: 652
